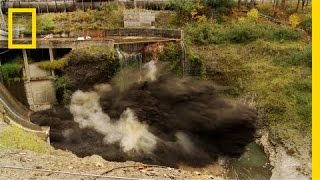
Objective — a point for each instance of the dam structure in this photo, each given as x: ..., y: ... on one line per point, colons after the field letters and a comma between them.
x: 37, y: 86
x: 38, y: 83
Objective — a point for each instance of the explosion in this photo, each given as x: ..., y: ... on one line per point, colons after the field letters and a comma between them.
x: 164, y: 118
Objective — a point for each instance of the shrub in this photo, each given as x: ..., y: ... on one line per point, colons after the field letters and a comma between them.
x: 285, y: 33
x: 253, y: 14
x: 196, y: 66
x: 10, y: 71
x: 90, y: 65
x: 303, y: 57
x: 185, y: 9
x: 265, y: 8
x: 242, y: 32
x: 55, y: 65
x: 294, y: 20
x: 199, y: 9
x: 112, y: 6
x: 206, y: 33
x: 90, y: 19
x: 62, y: 86
x: 218, y: 8
x: 172, y: 53
x: 306, y: 23
x: 91, y: 53
x: 45, y: 24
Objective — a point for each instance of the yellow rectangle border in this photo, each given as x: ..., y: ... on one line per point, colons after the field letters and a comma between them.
x: 33, y: 44
x: 315, y: 90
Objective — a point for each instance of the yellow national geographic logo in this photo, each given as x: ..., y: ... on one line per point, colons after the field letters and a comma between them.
x: 33, y: 44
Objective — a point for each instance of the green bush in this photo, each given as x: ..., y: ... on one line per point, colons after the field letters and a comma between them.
x: 10, y: 71
x: 206, y: 33
x: 306, y: 24
x: 45, y: 24
x: 55, y: 65
x: 196, y: 66
x: 285, y: 33
x: 112, y: 6
x: 241, y: 31
x: 91, y: 53
x: 172, y: 54
x: 207, y: 8
x: 107, y: 16
x: 62, y: 86
x: 183, y: 9
x: 303, y: 57
x: 217, y: 8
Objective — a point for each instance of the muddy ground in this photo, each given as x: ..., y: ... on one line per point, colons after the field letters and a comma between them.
x: 66, y: 161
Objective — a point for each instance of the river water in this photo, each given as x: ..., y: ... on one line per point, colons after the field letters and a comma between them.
x: 252, y: 165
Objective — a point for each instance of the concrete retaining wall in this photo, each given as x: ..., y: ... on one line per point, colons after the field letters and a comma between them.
x: 136, y: 19
x: 171, y: 34
x: 41, y: 94
x: 62, y: 43
x: 138, y: 46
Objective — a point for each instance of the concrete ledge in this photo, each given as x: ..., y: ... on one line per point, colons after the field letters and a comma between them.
x: 164, y: 33
x: 42, y: 132
x: 17, y: 115
x: 62, y: 43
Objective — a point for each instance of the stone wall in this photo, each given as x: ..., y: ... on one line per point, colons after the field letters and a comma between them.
x: 142, y: 19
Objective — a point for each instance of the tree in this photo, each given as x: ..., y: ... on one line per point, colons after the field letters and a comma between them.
x: 220, y: 6
x: 275, y: 7
x: 283, y: 5
x: 303, y: 4
x: 298, y: 4
x: 253, y: 3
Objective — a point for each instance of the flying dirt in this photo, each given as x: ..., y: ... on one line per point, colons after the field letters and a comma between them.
x: 153, y: 116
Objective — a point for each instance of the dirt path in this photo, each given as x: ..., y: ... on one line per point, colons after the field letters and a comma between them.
x: 65, y: 161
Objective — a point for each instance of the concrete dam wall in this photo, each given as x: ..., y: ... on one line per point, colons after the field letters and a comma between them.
x: 16, y: 114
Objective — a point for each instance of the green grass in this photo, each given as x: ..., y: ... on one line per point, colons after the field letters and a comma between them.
x: 108, y: 16
x: 13, y: 137
x: 282, y: 90
x: 10, y: 72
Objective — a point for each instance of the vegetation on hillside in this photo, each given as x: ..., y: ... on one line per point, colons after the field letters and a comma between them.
x: 13, y: 137
x: 261, y: 60
x: 107, y: 16
x: 10, y: 72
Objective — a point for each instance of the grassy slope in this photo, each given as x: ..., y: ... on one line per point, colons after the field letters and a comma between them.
x: 269, y: 72
x: 109, y: 16
x: 13, y: 137
x: 282, y: 92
